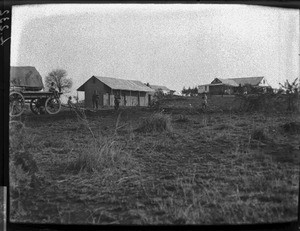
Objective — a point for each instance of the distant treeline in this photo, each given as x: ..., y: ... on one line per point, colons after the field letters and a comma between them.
x: 190, y: 91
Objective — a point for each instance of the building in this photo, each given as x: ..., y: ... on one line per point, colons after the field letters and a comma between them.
x: 164, y: 89
x: 132, y: 92
x: 231, y: 86
x: 203, y: 88
x: 223, y: 86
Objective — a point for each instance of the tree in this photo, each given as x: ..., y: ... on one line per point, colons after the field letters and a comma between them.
x: 76, y: 98
x: 292, y: 92
x: 59, y: 77
x: 189, y: 91
x: 194, y: 91
x: 159, y: 94
x: 184, y: 91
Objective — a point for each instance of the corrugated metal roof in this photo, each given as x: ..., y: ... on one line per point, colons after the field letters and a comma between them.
x: 229, y: 82
x: 248, y: 80
x: 254, y: 81
x: 26, y: 76
x: 158, y: 87
x: 121, y: 84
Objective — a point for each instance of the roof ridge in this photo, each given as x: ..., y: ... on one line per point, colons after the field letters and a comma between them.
x: 246, y: 77
x: 125, y: 84
x: 116, y: 78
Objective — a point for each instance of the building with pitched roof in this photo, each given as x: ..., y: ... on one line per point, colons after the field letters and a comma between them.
x: 157, y: 88
x: 131, y: 92
x: 221, y: 86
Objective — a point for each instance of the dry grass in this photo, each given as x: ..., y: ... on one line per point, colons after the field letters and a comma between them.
x: 24, y: 173
x: 182, y: 118
x: 210, y: 170
x: 157, y: 122
x: 106, y: 153
x: 260, y: 134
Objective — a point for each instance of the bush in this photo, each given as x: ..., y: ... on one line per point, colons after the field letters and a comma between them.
x: 106, y: 154
x: 292, y: 127
x: 23, y: 169
x: 157, y: 122
x: 263, y: 102
x: 182, y: 118
x: 19, y: 144
x: 259, y: 134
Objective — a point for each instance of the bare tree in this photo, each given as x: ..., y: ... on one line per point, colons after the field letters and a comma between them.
x: 59, y: 77
x: 292, y: 93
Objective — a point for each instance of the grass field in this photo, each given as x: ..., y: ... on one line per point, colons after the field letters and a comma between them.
x: 138, y: 167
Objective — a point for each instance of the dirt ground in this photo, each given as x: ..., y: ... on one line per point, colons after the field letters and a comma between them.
x: 209, y: 168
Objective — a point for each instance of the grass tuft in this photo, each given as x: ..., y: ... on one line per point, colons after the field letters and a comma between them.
x: 157, y: 122
x: 23, y: 168
x: 260, y: 134
x: 182, y: 118
x: 106, y: 154
x: 292, y: 127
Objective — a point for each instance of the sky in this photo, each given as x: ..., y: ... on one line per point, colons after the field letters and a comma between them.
x: 175, y: 45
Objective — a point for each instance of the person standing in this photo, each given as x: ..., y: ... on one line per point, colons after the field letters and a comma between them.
x: 70, y: 103
x: 125, y: 102
x: 204, y: 101
x: 53, y: 89
x: 117, y: 101
x: 95, y: 98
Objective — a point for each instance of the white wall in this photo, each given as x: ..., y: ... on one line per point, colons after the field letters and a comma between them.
x: 201, y: 88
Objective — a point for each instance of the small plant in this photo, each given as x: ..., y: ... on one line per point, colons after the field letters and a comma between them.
x: 101, y: 155
x: 157, y: 122
x: 20, y: 141
x: 259, y: 134
x: 23, y: 168
x: 223, y: 126
x: 182, y: 118
x: 292, y: 127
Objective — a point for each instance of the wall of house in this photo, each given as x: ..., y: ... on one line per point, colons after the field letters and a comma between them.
x: 92, y: 85
x: 216, y: 90
x: 106, y: 95
x: 263, y: 83
x: 128, y: 98
x: 221, y: 89
x: 202, y: 89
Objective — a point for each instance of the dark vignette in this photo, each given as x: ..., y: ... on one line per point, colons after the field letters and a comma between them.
x: 4, y: 119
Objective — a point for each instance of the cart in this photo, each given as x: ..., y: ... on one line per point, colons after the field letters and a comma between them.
x: 26, y: 86
x: 40, y: 102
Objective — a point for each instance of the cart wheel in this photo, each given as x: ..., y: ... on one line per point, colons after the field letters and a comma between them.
x: 35, y: 106
x: 16, y: 104
x: 52, y: 105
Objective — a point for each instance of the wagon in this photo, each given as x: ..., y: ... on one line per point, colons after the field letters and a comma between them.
x: 40, y: 102
x: 26, y: 86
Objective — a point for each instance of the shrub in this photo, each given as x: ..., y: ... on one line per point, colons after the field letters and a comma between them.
x: 106, y: 154
x: 19, y: 143
x: 182, y: 118
x: 259, y: 134
x: 223, y: 126
x: 157, y: 122
x: 23, y: 169
x: 292, y: 127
